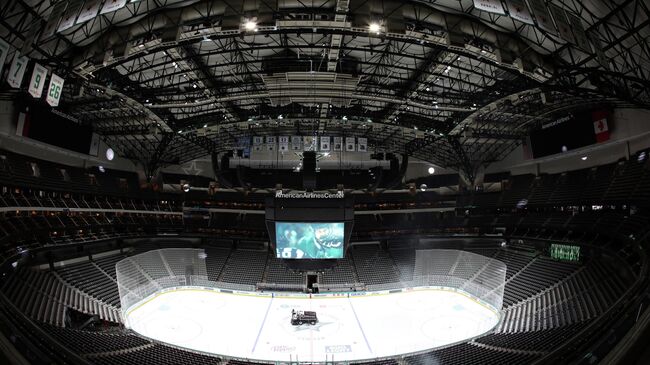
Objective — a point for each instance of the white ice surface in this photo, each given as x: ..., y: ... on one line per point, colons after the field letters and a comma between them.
x: 355, y: 328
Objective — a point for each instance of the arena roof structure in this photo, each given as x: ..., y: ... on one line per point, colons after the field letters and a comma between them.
x: 169, y: 81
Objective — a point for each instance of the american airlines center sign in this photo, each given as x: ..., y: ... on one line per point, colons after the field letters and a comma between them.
x: 309, y: 195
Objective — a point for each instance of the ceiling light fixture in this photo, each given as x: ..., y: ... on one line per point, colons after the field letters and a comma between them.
x: 250, y: 25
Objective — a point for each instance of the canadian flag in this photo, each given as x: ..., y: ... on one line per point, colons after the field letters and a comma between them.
x: 600, y: 126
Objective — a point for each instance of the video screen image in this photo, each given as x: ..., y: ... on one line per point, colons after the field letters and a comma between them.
x: 309, y: 240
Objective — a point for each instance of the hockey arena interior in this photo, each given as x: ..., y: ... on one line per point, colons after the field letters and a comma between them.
x: 393, y: 182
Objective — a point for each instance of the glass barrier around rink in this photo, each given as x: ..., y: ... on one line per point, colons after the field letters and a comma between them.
x: 477, y: 275
x: 143, y: 275
x: 147, y: 273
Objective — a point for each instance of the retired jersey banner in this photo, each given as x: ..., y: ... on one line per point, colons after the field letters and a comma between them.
x: 491, y: 6
x: 362, y: 144
x: 295, y: 143
x: 89, y: 10
x: 338, y: 144
x: 112, y: 5
x: 37, y: 81
x: 562, y: 23
x: 309, y: 143
x: 54, y: 91
x: 4, y: 51
x: 70, y: 16
x: 283, y: 143
x: 325, y: 143
x: 17, y: 70
x: 518, y: 10
x: 542, y: 16
x: 349, y: 144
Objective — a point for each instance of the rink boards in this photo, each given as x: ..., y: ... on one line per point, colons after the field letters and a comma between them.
x: 352, y: 326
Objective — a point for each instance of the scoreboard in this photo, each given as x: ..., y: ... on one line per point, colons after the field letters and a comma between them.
x: 309, y: 230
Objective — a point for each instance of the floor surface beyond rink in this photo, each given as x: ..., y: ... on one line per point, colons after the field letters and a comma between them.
x: 349, y: 328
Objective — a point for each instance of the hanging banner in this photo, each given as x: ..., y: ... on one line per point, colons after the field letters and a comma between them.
x: 542, y: 16
x: 270, y: 143
x: 598, y: 48
x: 89, y: 10
x: 17, y: 70
x: 600, y: 126
x: 349, y: 144
x: 338, y: 144
x: 54, y: 91
x: 94, y: 145
x: 309, y: 143
x: 70, y: 16
x: 53, y: 20
x: 325, y: 143
x: 579, y: 32
x: 283, y: 143
x: 491, y: 6
x: 362, y: 144
x: 37, y: 81
x: 518, y: 10
x: 562, y: 23
x: 295, y: 143
x: 28, y: 42
x: 4, y: 51
x: 112, y: 5
x: 257, y: 140
x: 22, y: 129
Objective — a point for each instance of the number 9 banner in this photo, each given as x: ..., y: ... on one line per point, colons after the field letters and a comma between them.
x: 54, y: 91
x: 38, y: 80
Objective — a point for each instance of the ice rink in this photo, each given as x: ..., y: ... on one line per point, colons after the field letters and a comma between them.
x: 354, y: 328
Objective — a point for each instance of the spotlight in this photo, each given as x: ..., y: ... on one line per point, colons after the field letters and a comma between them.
x: 250, y: 25
x: 101, y: 168
x: 431, y: 170
x: 564, y: 149
x: 110, y: 154
x: 583, y: 158
x: 374, y: 27
x: 423, y: 187
x: 186, y: 187
x: 504, y: 243
x: 642, y: 156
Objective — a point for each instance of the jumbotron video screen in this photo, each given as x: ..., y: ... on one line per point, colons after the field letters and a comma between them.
x: 300, y: 240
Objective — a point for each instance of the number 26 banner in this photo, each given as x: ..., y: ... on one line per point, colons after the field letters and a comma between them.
x: 54, y: 91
